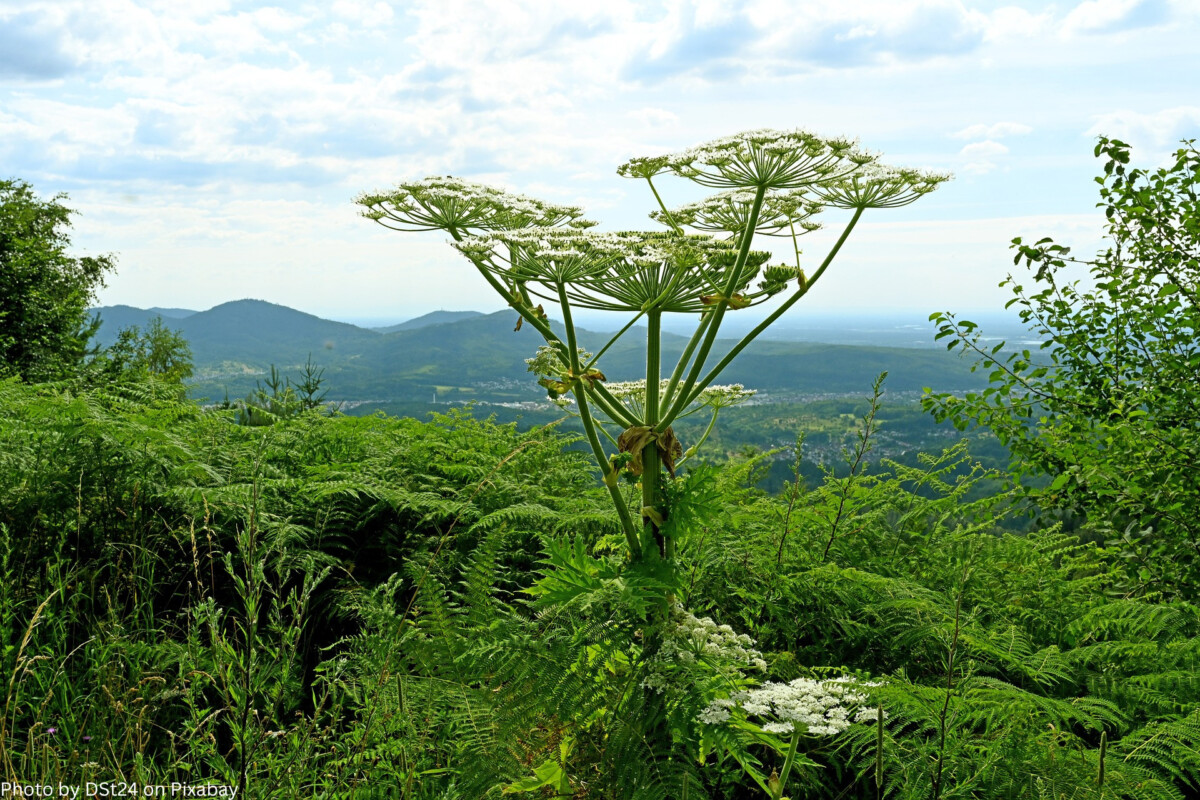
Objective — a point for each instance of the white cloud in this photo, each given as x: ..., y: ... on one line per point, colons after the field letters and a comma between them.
x: 363, y: 12
x: 653, y: 117
x: 1108, y: 16
x: 996, y: 131
x: 1013, y: 22
x: 766, y: 39
x: 1156, y: 132
x: 977, y: 157
x: 985, y: 149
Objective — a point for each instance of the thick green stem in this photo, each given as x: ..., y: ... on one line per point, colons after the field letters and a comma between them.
x: 718, y: 312
x: 787, y: 765
x: 700, y: 386
x: 651, y: 463
x: 735, y: 277
x: 569, y: 327
x: 628, y: 526
x: 795, y: 242
x: 611, y: 406
x: 589, y: 429
x: 668, y: 395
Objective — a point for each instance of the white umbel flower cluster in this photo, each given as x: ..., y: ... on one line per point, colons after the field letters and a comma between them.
x: 725, y: 395
x: 613, y: 271
x: 767, y: 159
x: 781, y: 214
x: 547, y: 255
x: 699, y: 638
x: 456, y: 205
x: 819, y: 708
x: 879, y: 186
x: 717, y: 396
x: 694, y: 642
x: 633, y: 394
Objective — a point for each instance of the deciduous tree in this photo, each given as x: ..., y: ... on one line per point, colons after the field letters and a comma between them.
x: 1109, y: 408
x: 44, y: 292
x: 156, y: 350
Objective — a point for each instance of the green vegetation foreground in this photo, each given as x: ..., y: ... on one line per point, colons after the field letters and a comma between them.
x: 337, y: 607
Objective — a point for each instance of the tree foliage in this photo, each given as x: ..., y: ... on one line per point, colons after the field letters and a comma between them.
x: 156, y: 350
x: 1109, y: 407
x: 44, y: 292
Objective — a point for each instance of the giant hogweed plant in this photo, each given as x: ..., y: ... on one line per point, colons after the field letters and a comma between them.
x: 540, y: 256
x: 533, y: 253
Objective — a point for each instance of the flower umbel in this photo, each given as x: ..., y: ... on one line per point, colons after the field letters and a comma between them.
x: 782, y: 213
x: 765, y: 159
x: 633, y: 395
x: 692, y: 643
x: 459, y: 207
x: 879, y: 186
x: 819, y: 708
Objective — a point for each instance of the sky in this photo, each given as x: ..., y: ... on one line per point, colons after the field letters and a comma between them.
x: 216, y: 147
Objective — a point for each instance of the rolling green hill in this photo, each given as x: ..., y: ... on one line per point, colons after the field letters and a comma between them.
x: 471, y: 356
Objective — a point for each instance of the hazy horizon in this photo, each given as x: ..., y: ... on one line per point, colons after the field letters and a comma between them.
x: 879, y: 327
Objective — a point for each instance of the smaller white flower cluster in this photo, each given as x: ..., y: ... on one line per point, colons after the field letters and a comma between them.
x: 635, y: 390
x: 820, y: 708
x: 452, y: 203
x: 725, y: 395
x: 548, y: 361
x: 694, y: 641
x: 881, y: 186
x: 548, y: 254
x: 540, y: 239
x: 781, y: 212
x: 717, y: 396
x: 744, y: 146
x: 699, y: 638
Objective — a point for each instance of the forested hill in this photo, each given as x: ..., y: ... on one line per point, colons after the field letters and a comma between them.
x: 465, y: 356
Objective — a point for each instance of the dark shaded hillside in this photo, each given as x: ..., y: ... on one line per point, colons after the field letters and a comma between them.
x: 251, y: 331
x: 260, y: 333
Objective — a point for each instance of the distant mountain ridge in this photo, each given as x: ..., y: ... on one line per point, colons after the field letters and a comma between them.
x: 469, y: 355
x: 115, y: 317
x: 172, y: 313
x: 432, y: 318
